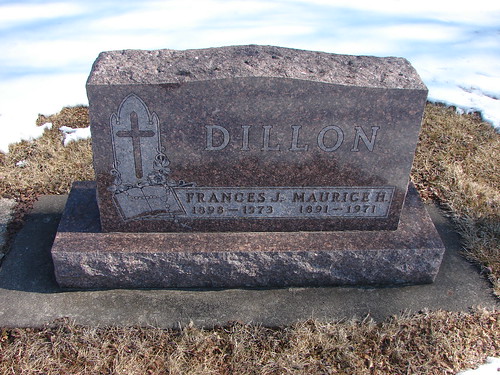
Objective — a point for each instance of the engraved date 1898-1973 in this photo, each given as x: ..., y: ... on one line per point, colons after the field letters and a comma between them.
x: 221, y: 210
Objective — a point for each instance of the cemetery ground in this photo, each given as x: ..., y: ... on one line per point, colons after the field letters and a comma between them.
x: 456, y: 165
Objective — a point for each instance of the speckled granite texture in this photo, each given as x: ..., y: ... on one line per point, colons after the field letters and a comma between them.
x: 176, y: 133
x: 130, y: 67
x: 85, y: 257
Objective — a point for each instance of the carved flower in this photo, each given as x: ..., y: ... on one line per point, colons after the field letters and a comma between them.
x: 157, y: 178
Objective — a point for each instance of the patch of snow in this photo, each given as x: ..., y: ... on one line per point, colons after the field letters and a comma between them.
x: 22, y: 133
x: 23, y: 99
x: 74, y: 135
x: 22, y: 163
x: 467, y: 101
x: 491, y: 367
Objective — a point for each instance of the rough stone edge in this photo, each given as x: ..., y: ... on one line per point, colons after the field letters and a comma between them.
x: 6, y: 216
x: 97, y: 260
x: 164, y: 66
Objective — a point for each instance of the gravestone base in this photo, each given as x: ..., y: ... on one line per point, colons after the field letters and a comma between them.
x: 86, y: 258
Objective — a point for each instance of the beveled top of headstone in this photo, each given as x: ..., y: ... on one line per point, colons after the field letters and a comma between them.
x: 130, y: 67
x: 252, y: 138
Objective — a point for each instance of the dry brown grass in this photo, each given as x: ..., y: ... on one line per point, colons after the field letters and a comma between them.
x: 50, y: 167
x: 458, y: 163
x: 426, y: 343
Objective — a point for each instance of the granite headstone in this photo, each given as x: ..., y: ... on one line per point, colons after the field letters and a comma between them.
x: 252, y: 139
x: 262, y: 166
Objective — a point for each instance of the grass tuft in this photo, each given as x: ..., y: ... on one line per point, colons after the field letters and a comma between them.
x: 457, y: 163
x: 45, y: 166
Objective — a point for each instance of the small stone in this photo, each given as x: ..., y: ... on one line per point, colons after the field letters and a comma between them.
x: 6, y: 215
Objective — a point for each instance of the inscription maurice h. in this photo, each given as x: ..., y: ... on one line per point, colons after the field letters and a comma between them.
x: 143, y: 189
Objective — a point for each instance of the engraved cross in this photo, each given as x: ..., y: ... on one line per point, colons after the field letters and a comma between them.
x: 136, y: 134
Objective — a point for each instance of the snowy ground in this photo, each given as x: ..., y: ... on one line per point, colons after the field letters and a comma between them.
x: 491, y: 367
x: 48, y: 46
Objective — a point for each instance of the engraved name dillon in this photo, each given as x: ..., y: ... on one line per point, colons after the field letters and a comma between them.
x: 328, y: 139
